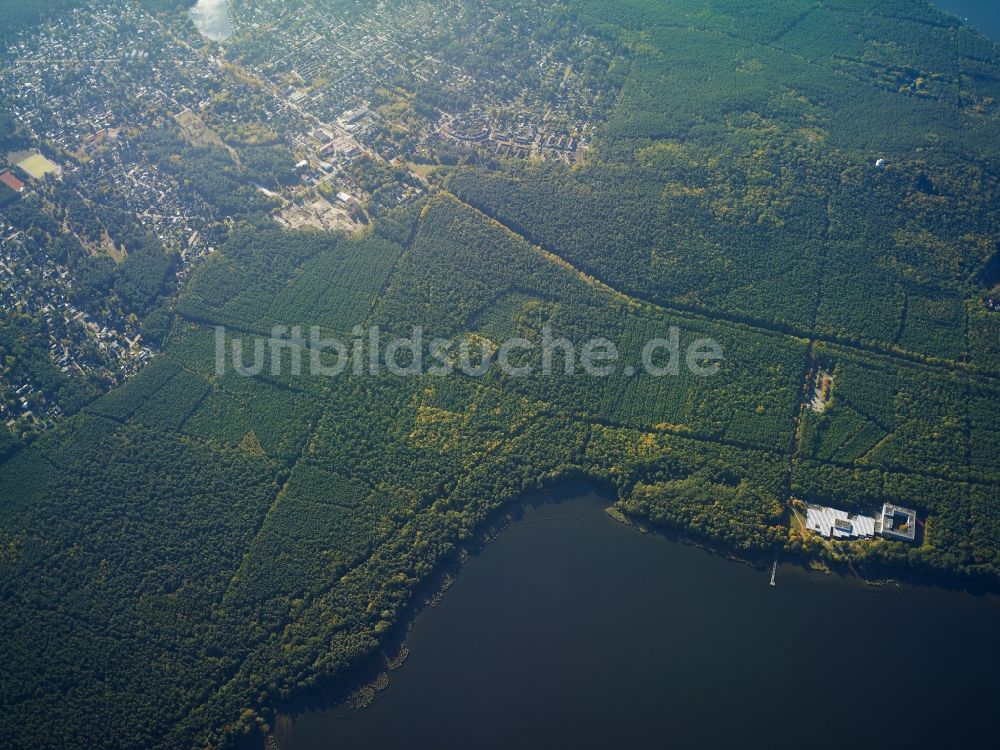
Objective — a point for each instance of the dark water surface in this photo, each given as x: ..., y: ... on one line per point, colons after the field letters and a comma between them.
x: 574, y: 631
x: 983, y: 14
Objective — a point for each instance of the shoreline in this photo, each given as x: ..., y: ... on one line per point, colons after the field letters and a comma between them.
x: 361, y: 685
x: 970, y: 18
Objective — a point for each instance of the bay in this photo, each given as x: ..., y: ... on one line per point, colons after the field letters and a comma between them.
x: 572, y: 630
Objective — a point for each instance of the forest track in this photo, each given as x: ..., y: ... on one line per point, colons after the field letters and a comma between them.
x: 748, y: 323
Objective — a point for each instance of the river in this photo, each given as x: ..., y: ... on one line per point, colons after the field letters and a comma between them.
x: 212, y: 19
x: 572, y: 630
x: 983, y: 14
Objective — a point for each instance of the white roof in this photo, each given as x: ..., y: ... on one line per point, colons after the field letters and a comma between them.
x: 823, y: 520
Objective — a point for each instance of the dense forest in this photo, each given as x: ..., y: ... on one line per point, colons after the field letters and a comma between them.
x: 190, y: 549
x: 22, y: 14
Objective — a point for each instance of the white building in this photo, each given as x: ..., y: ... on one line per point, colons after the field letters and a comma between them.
x: 838, y: 524
x: 897, y: 522
x: 893, y: 522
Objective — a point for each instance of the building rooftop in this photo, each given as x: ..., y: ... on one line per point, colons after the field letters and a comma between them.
x: 897, y: 522
x: 893, y: 522
x: 839, y: 524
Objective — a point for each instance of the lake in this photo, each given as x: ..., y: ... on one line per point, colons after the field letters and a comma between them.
x: 573, y: 630
x: 983, y: 14
x: 212, y: 19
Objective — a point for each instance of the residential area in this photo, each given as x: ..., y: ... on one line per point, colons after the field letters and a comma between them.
x: 122, y: 127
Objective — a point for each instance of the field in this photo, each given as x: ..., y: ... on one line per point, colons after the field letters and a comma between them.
x: 196, y: 131
x: 317, y: 214
x: 38, y: 166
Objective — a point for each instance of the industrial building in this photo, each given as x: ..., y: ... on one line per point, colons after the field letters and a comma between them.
x: 896, y: 522
x: 893, y: 522
x: 838, y: 524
